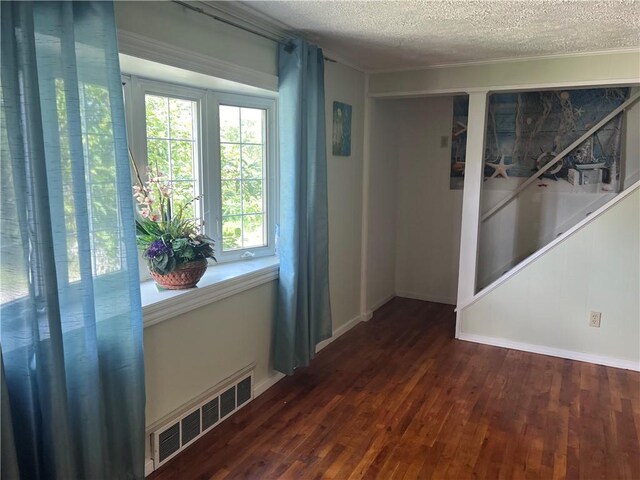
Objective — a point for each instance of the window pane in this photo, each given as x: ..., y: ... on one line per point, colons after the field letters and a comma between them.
x: 252, y: 196
x: 242, y: 164
x: 157, y: 116
x: 182, y: 196
x: 181, y: 116
x: 232, y: 232
x: 253, y: 231
x: 101, y: 151
x: 182, y: 160
x: 231, y: 197
x: 73, y: 259
x: 106, y: 248
x: 158, y: 156
x: 230, y: 161
x: 175, y: 154
x: 97, y: 109
x: 252, y: 125
x: 252, y: 161
x: 229, y: 124
x: 104, y: 212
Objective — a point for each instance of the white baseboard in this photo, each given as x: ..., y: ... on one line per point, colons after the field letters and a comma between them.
x: 270, y: 381
x: 267, y: 383
x: 148, y: 467
x: 366, y: 316
x: 551, y: 351
x: 341, y: 330
x: 381, y: 302
x: 427, y: 297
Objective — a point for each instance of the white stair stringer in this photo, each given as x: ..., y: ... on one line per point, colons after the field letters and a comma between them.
x: 543, y: 304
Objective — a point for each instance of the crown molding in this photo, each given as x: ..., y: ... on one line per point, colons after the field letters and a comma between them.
x: 248, y: 17
x: 497, y: 61
x: 240, y: 13
x: 139, y: 46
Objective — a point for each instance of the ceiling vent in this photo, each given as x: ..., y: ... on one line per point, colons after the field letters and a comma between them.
x: 174, y: 436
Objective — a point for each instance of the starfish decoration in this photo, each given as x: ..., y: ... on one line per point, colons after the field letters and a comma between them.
x: 499, y: 168
x: 578, y: 111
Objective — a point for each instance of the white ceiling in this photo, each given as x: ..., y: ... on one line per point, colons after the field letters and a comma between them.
x: 389, y: 35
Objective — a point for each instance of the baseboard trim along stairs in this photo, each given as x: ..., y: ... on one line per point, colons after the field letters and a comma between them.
x: 552, y: 352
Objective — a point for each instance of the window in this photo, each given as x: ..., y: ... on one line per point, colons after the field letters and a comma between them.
x: 215, y: 147
x: 99, y: 169
x: 242, y: 169
x: 172, y: 147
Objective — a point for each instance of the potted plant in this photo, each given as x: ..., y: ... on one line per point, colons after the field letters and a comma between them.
x: 173, y: 246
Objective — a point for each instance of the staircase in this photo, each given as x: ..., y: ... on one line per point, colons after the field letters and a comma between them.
x: 538, y: 297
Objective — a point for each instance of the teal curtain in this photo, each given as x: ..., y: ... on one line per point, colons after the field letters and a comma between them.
x: 70, y: 314
x: 304, y: 311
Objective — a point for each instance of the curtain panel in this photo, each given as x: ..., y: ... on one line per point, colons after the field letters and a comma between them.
x: 70, y: 314
x: 304, y: 312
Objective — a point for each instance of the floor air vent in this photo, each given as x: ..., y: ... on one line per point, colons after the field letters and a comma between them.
x: 187, y: 427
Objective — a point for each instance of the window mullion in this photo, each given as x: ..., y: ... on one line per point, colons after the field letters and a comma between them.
x: 212, y: 165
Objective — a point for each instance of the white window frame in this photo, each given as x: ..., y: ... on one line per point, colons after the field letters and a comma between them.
x: 269, y: 105
x: 209, y: 162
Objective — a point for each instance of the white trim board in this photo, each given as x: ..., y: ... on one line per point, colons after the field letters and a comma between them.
x: 149, y: 467
x: 505, y: 60
x: 503, y: 88
x: 139, y: 46
x: 274, y: 378
x: 220, y: 281
x: 341, y: 330
x: 551, y: 351
x: 427, y: 297
x: 381, y: 302
x: 557, y: 241
x: 267, y: 383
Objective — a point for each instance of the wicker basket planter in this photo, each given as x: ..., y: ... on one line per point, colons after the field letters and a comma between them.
x: 184, y: 276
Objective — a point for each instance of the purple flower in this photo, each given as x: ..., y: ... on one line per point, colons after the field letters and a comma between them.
x: 157, y: 249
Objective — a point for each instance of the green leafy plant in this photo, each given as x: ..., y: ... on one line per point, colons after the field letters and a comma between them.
x: 166, y: 238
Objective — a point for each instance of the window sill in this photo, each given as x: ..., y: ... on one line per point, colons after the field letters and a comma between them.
x: 219, y: 281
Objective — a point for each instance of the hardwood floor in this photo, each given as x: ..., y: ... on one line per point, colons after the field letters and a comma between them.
x: 398, y: 397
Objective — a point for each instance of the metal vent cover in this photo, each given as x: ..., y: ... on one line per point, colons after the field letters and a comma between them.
x: 210, y: 414
x: 190, y: 427
x: 227, y: 402
x: 183, y: 429
x: 169, y: 442
x: 243, y: 391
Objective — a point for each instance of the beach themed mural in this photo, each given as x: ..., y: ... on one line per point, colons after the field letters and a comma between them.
x: 341, y: 129
x: 526, y: 130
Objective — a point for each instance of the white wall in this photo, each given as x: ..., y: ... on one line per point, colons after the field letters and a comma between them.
x: 382, y: 201
x: 405, y: 144
x: 188, y: 354
x: 428, y: 212
x: 173, y: 24
x: 346, y: 85
x: 191, y: 353
x: 548, y: 302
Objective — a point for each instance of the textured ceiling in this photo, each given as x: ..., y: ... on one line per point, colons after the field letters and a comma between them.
x: 381, y: 35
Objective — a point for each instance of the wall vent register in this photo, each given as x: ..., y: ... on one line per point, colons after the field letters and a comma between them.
x: 172, y: 438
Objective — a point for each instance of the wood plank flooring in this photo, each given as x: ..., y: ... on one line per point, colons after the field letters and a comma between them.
x: 398, y: 397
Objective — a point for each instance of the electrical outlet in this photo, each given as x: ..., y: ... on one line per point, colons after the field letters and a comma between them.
x: 444, y: 141
x: 594, y: 319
